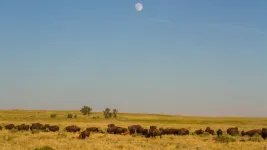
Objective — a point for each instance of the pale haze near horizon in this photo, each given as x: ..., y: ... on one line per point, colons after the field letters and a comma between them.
x: 174, y: 57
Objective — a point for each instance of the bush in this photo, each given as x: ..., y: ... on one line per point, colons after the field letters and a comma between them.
x: 44, y: 148
x: 69, y: 116
x: 53, y: 115
x: 115, y: 113
x: 256, y: 138
x: 75, y: 116
x: 225, y: 139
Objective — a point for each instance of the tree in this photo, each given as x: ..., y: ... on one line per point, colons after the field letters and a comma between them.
x: 86, y: 110
x: 115, y: 113
x: 107, y: 113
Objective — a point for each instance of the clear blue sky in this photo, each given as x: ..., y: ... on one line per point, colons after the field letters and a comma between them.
x: 186, y: 57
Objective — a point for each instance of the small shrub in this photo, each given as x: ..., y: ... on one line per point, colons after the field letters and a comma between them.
x: 69, y: 116
x: 75, y: 116
x: 225, y: 139
x: 44, y: 148
x: 256, y: 138
x: 53, y: 115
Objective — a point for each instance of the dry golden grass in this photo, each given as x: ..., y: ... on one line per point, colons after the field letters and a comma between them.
x: 68, y: 141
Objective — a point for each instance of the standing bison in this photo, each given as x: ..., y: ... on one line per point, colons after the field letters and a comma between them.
x: 232, y: 131
x: 264, y: 133
x: 73, y: 129
x: 153, y: 132
x: 135, y: 129
x: 9, y: 126
x: 84, y: 134
x: 219, y: 132
x: 53, y: 128
x: 199, y: 132
x: 210, y: 131
x: 252, y: 132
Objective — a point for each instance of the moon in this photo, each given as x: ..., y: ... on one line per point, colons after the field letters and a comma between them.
x: 138, y: 6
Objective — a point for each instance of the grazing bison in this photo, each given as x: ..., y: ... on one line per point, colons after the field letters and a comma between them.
x: 169, y: 131
x: 9, y: 126
x: 135, y: 129
x: 232, y: 131
x: 22, y: 127
x: 219, y: 132
x: 183, y: 131
x: 116, y: 130
x: 37, y: 126
x: 198, y: 132
x: 53, y: 128
x: 92, y: 129
x: 252, y: 132
x: 208, y: 130
x: 73, y: 128
x: 84, y: 134
x: 264, y: 133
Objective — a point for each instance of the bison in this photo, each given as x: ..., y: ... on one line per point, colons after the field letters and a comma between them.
x: 9, y: 126
x: 252, y: 132
x: 153, y: 132
x: 208, y: 130
x: 232, y: 131
x: 53, y: 128
x: 1, y: 128
x: 169, y: 131
x: 37, y: 126
x: 183, y: 131
x: 73, y: 128
x: 145, y: 132
x: 92, y: 129
x: 135, y: 129
x: 116, y: 130
x: 198, y: 132
x: 84, y: 134
x: 264, y: 133
x: 219, y: 132
x: 22, y: 127
x: 46, y: 126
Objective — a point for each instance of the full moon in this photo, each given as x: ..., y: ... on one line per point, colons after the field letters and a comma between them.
x: 138, y: 6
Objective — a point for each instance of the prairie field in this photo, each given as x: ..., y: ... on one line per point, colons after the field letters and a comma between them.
x: 20, y: 140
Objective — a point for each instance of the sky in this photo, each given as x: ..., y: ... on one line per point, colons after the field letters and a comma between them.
x: 184, y: 57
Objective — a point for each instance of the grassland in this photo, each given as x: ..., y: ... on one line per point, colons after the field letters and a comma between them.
x: 68, y: 141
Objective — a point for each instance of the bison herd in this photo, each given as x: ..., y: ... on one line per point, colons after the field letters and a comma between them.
x: 152, y: 131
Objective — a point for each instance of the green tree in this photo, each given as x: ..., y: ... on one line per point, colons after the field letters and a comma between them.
x: 115, y: 113
x: 107, y: 113
x: 86, y: 110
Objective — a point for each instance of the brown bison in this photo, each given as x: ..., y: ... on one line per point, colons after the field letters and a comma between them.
x: 145, y: 132
x: 116, y: 130
x: 53, y: 128
x: 169, y: 131
x: 199, y: 132
x: 1, y: 128
x: 37, y: 126
x: 264, y: 133
x: 219, y: 132
x: 73, y: 129
x: 92, y: 129
x: 9, y: 126
x: 252, y: 132
x: 208, y: 130
x: 135, y: 129
x: 22, y: 127
x: 84, y: 134
x: 232, y: 131
x: 153, y: 132
x: 183, y: 131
